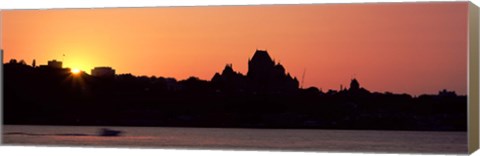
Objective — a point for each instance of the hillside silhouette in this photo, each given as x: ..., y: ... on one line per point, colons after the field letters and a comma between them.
x: 266, y: 97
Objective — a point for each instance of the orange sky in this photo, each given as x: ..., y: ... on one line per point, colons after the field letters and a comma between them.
x: 410, y: 48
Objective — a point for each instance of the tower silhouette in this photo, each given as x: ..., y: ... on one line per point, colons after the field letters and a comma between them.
x: 354, y: 85
x: 265, y: 76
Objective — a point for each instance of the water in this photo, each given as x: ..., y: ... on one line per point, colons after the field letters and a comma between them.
x: 231, y: 138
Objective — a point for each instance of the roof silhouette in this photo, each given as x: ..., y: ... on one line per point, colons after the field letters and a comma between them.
x: 261, y: 56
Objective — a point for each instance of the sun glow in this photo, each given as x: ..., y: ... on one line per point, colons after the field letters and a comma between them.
x: 75, y: 71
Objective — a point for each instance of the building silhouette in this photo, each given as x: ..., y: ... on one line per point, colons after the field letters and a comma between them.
x: 356, y: 89
x: 55, y: 64
x: 105, y: 72
x: 446, y: 93
x: 266, y: 76
x: 229, y: 80
x: 354, y: 85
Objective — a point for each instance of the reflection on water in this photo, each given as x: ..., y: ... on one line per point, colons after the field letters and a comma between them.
x: 270, y: 139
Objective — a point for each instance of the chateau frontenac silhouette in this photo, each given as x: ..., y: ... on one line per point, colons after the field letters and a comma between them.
x: 264, y: 77
x: 266, y: 97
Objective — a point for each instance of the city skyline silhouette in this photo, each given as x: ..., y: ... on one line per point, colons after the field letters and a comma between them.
x: 260, y: 57
x: 266, y: 97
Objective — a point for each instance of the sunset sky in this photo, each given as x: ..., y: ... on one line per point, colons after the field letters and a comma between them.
x: 410, y: 48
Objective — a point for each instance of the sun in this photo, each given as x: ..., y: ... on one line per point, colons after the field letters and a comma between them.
x: 75, y: 71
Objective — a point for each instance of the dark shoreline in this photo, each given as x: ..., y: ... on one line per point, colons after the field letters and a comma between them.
x: 266, y: 97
